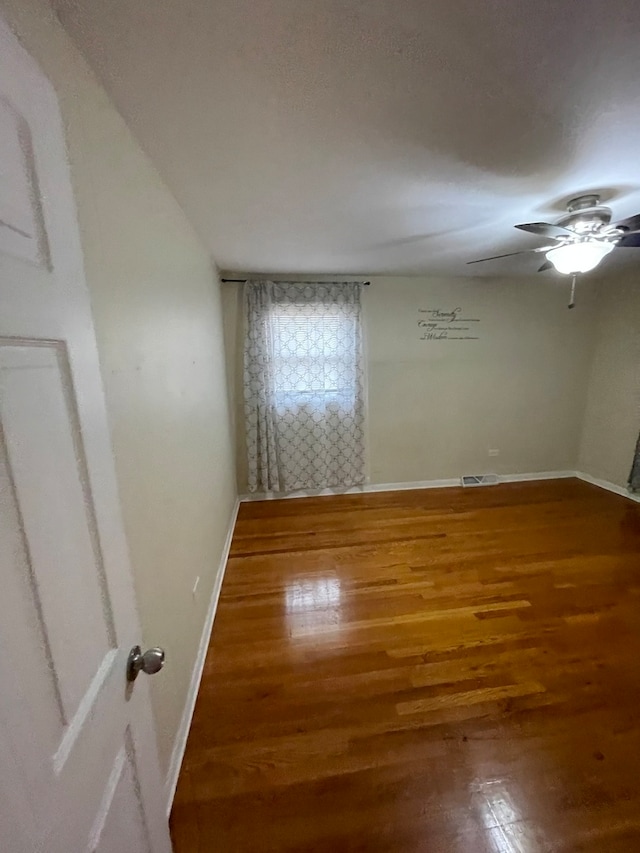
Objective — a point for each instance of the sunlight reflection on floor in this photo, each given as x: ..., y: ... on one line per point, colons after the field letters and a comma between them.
x: 312, y: 604
x: 498, y: 811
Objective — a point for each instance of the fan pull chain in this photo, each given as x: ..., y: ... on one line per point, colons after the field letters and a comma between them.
x: 572, y: 300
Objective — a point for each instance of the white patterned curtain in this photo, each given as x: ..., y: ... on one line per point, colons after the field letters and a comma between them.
x: 303, y: 385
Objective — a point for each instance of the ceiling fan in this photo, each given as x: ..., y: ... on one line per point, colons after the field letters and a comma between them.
x: 582, y: 238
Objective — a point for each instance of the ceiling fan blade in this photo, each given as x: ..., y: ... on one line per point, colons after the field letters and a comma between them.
x: 511, y: 254
x: 545, y: 229
x: 630, y: 224
x: 629, y: 241
x: 547, y: 265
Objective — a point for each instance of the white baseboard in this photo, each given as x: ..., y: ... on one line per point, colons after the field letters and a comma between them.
x: 180, y: 744
x: 449, y: 483
x: 539, y: 475
x: 610, y: 487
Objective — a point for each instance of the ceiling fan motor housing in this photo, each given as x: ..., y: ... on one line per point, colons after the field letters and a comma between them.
x: 587, y: 216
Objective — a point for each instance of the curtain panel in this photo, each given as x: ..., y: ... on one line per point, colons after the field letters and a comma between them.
x: 304, y: 386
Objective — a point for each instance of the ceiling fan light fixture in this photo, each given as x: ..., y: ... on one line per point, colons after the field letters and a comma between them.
x: 580, y: 257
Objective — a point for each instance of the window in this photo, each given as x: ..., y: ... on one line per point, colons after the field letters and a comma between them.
x: 314, y: 354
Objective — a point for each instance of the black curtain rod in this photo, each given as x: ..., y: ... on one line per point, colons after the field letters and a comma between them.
x: 294, y: 281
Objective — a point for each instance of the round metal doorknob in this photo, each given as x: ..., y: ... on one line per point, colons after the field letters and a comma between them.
x: 150, y: 662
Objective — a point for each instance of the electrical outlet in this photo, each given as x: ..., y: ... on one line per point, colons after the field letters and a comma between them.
x: 494, y: 453
x: 195, y: 586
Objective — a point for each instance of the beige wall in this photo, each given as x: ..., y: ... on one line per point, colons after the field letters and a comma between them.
x: 612, y: 419
x: 158, y: 320
x: 436, y: 408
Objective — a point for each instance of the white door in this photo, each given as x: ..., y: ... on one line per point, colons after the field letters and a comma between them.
x: 78, y: 763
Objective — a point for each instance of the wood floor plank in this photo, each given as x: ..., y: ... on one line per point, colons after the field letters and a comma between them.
x: 451, y: 671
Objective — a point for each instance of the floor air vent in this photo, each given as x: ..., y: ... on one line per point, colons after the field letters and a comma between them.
x: 480, y: 479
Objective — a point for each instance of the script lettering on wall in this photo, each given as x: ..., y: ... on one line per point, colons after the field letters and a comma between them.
x: 444, y: 324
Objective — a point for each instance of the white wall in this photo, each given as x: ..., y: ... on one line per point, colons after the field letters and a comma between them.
x: 436, y: 408
x: 612, y: 418
x: 157, y: 312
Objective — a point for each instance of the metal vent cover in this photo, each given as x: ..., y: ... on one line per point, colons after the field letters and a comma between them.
x: 469, y: 480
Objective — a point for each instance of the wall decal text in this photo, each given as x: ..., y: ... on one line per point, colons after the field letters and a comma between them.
x: 441, y: 324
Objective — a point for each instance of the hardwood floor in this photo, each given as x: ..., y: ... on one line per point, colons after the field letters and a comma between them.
x: 451, y: 671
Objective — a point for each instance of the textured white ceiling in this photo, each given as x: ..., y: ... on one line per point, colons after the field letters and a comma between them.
x: 372, y: 136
